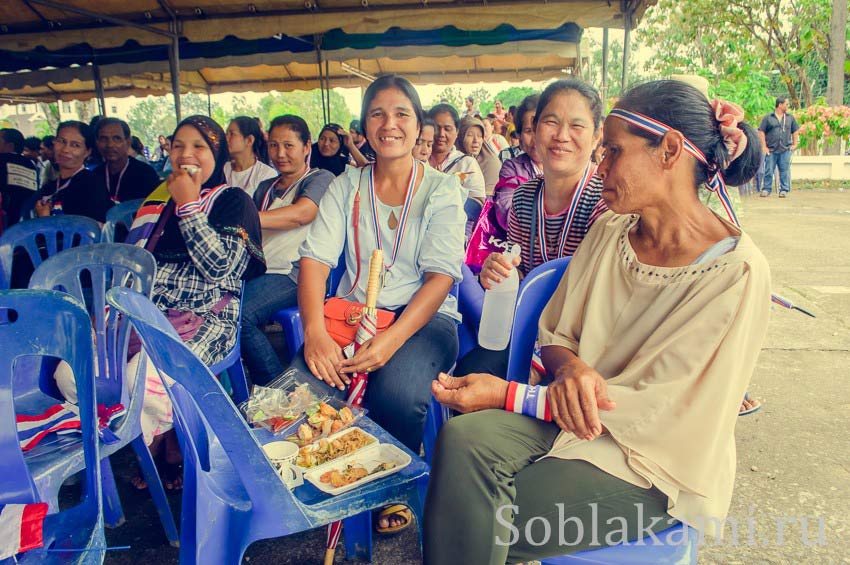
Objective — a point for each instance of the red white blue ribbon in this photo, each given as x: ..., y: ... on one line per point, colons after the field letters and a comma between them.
x: 568, y: 220
x: 716, y: 183
x: 21, y: 528
x: 402, y: 221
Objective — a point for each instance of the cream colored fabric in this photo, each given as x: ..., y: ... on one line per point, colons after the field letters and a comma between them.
x: 678, y: 347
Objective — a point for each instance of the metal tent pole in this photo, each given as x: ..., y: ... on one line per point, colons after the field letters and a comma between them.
x: 604, y: 64
x: 98, y: 87
x: 627, y: 31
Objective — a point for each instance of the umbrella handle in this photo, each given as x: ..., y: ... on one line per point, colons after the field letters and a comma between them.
x: 329, y: 555
x: 373, y: 284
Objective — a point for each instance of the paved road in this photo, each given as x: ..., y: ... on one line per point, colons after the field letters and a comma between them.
x: 793, y: 455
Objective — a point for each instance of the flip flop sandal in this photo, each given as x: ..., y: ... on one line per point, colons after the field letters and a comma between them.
x: 398, y: 510
x: 749, y: 411
x: 171, y: 472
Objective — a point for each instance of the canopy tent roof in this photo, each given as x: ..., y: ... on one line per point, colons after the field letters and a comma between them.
x: 28, y: 24
x: 284, y: 63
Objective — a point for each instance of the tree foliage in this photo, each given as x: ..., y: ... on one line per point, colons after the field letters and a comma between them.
x: 514, y: 95
x: 451, y: 95
x: 307, y: 105
x: 738, y: 39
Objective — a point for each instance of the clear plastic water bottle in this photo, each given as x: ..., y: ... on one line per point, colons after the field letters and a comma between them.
x: 497, y: 316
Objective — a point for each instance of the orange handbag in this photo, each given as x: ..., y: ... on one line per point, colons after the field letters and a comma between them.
x: 342, y: 317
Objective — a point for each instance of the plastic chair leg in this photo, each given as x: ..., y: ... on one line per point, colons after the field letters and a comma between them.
x: 113, y: 514
x: 148, y: 468
x: 238, y: 381
x: 358, y: 537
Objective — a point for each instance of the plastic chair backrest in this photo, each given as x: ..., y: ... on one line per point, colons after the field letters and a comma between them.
x: 43, y: 323
x: 205, y: 412
x: 120, y: 214
x: 44, y: 237
x: 108, y: 265
x: 534, y: 293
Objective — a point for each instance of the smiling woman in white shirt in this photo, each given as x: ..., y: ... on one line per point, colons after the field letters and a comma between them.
x: 415, y: 214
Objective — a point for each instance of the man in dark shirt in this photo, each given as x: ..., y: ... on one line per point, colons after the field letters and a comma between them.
x: 123, y: 178
x: 18, y: 175
x: 779, y: 136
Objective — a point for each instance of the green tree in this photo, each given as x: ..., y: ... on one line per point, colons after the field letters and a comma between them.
x: 738, y: 38
x: 615, y: 67
x: 452, y: 95
x: 483, y: 101
x: 307, y: 105
x: 51, y: 116
x: 514, y: 95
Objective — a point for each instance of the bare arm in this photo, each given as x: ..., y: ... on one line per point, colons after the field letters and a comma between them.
x: 299, y: 213
x: 321, y: 352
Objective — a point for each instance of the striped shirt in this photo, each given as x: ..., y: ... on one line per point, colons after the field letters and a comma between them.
x: 590, y: 207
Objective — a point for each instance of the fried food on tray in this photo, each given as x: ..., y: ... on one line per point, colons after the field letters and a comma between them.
x: 351, y: 474
x: 326, y: 420
x: 328, y: 450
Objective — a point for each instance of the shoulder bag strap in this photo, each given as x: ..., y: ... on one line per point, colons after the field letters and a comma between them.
x: 355, y: 223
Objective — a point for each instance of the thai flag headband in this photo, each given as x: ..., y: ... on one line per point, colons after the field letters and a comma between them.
x: 716, y: 183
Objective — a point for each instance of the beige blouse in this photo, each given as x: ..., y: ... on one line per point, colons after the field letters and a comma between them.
x: 677, y: 347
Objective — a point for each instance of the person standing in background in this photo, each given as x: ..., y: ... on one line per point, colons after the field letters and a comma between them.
x: 779, y: 136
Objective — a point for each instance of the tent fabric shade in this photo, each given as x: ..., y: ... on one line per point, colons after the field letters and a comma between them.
x: 283, y: 64
x: 303, y: 76
x: 40, y: 23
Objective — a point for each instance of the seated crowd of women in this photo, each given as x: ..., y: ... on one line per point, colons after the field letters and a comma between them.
x: 648, y: 344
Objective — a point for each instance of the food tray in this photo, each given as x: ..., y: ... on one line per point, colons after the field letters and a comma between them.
x: 369, y: 457
x: 288, y: 383
x: 335, y: 403
x: 315, y: 446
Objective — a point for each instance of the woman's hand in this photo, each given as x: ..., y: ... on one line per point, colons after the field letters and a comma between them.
x: 476, y: 391
x: 373, y: 354
x: 43, y: 207
x: 323, y: 356
x: 495, y: 269
x: 184, y: 187
x: 345, y: 136
x: 575, y: 398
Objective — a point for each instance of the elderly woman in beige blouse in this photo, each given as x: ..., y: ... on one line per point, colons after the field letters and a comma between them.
x: 650, y: 341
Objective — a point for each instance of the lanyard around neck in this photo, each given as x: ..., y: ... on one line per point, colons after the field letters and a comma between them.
x: 65, y: 184
x: 267, y: 201
x: 114, y: 197
x: 568, y: 220
x: 402, y: 221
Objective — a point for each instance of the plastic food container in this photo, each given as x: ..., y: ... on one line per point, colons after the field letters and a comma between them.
x: 369, y: 457
x: 371, y: 442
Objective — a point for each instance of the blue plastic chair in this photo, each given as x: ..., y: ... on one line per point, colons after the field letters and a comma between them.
x: 534, y: 293
x: 109, y: 265
x: 641, y: 552
x: 49, y: 323
x: 41, y: 238
x: 120, y: 214
x: 232, y: 362
x: 231, y: 495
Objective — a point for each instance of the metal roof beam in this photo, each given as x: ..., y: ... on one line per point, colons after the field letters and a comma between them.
x: 104, y: 17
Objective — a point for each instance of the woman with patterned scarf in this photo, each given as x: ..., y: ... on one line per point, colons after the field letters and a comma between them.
x: 205, y: 236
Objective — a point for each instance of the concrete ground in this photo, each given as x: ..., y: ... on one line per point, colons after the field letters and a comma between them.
x: 793, y: 455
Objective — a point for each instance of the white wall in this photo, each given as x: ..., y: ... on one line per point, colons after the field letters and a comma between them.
x: 827, y: 167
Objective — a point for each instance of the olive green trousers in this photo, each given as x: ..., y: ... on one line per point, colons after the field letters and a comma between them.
x: 491, y: 501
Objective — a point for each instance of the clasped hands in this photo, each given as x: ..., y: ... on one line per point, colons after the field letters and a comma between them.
x: 326, y: 361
